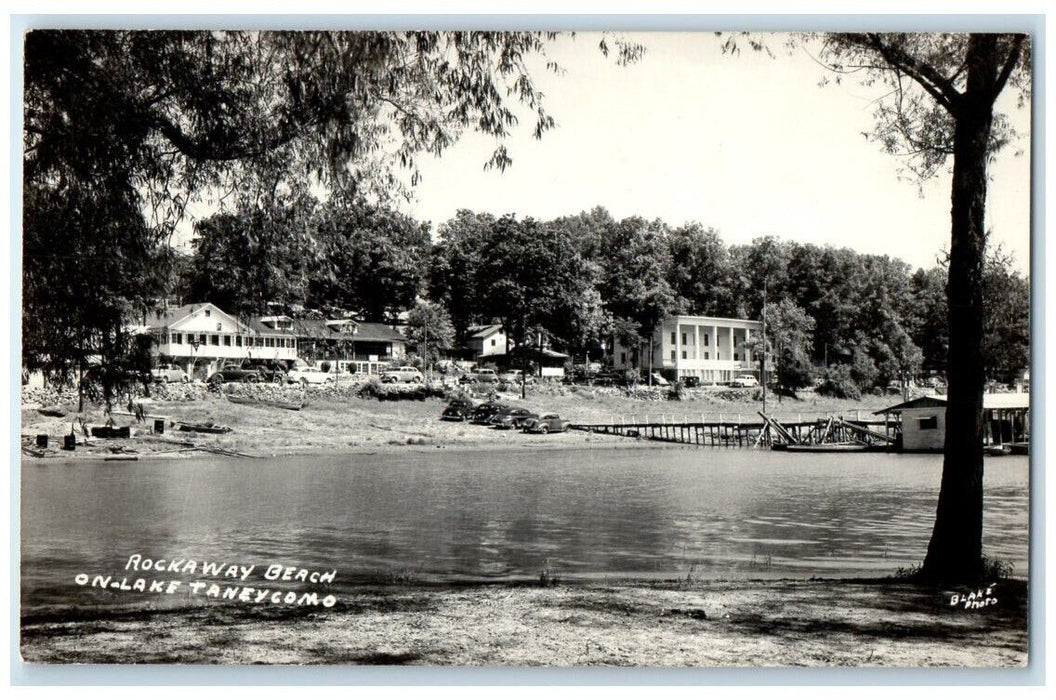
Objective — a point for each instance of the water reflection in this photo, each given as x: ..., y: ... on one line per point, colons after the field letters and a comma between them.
x: 502, y: 515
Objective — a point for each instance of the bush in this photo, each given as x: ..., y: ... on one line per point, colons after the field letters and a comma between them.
x: 838, y: 383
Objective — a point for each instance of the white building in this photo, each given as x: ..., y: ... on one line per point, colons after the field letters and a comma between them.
x: 1006, y: 419
x: 714, y: 349
x: 486, y: 340
x: 201, y: 337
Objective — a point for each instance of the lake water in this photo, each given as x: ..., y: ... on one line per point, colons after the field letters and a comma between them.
x: 447, y: 515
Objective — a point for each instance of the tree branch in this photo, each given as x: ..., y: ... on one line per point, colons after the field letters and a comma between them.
x: 1010, y: 64
x: 933, y: 82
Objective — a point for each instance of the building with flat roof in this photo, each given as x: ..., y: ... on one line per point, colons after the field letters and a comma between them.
x: 714, y: 349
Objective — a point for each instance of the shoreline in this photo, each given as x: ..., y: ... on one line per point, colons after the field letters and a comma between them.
x: 341, y: 425
x: 674, y: 623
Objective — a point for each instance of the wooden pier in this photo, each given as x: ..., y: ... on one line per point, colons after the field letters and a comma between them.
x: 735, y: 431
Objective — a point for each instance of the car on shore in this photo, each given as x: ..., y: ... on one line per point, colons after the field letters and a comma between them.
x: 163, y: 374
x: 745, y: 381
x: 406, y: 374
x: 268, y: 370
x: 546, y: 423
x: 483, y: 413
x: 510, y: 418
x: 516, y: 376
x: 304, y: 374
x: 459, y: 409
x: 233, y: 372
x: 481, y: 376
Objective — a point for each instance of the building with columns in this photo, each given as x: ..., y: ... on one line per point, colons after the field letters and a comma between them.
x: 713, y: 349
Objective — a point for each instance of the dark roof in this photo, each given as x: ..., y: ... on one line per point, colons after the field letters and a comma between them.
x: 379, y: 332
x: 170, y: 315
x: 484, y: 331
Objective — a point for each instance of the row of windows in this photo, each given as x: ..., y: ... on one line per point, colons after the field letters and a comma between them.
x: 707, y: 356
x: 685, y: 338
x: 217, y: 339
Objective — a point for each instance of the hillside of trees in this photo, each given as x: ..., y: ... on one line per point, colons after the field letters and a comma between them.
x: 858, y: 321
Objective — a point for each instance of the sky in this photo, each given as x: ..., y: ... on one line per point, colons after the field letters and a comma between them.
x: 749, y: 145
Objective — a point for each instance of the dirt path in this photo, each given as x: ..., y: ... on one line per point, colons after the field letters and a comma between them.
x: 679, y: 624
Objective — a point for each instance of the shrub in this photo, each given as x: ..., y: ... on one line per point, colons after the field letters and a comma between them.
x: 837, y: 382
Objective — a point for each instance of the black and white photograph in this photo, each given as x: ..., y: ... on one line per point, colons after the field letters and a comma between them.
x: 448, y: 346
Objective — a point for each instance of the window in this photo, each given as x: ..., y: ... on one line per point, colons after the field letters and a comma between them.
x: 705, y: 341
x: 706, y: 356
x: 177, y: 338
x: 736, y: 356
x: 683, y: 338
x: 214, y: 340
x: 492, y: 342
x: 684, y: 355
x: 207, y: 312
x: 238, y: 341
x: 201, y: 338
x: 269, y: 342
x: 672, y: 354
x: 929, y: 423
x: 623, y: 358
x: 227, y: 340
x: 718, y: 356
x: 672, y: 339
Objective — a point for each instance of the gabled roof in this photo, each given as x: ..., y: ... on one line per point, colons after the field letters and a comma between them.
x: 484, y: 331
x: 172, y: 315
x: 378, y: 332
x: 990, y: 401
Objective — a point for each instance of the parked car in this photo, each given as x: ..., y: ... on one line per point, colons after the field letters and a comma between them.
x: 164, y: 374
x: 546, y: 423
x: 691, y: 382
x: 304, y: 374
x: 744, y: 380
x: 483, y: 413
x: 233, y: 372
x: 481, y: 376
x: 459, y: 409
x: 516, y: 376
x: 269, y: 370
x: 509, y: 418
x: 658, y: 379
x: 402, y: 374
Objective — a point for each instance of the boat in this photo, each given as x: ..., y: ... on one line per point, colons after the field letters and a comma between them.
x: 287, y: 405
x: 204, y: 428
x: 839, y: 447
x: 997, y: 450
x: 1019, y: 448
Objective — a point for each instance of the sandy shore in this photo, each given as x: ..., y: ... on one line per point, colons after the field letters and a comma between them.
x: 331, y: 423
x: 783, y: 623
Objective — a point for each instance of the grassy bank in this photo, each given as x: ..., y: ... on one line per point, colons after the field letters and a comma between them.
x: 339, y: 420
x: 681, y: 624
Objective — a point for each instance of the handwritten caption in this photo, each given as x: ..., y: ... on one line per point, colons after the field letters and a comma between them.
x: 277, y: 584
x: 975, y: 600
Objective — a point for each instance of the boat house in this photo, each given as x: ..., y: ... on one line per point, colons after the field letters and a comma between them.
x: 923, y: 421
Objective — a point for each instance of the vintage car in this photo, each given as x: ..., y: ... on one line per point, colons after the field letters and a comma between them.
x: 233, y: 372
x: 402, y: 374
x: 459, y: 409
x: 268, y: 370
x: 516, y: 376
x: 745, y: 380
x: 509, y: 418
x: 546, y: 423
x: 304, y: 374
x: 163, y: 374
x: 481, y: 376
x: 483, y: 413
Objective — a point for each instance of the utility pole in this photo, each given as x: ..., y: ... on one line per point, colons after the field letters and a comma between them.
x: 765, y: 348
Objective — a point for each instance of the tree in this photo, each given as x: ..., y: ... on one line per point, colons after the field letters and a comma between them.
x: 456, y: 273
x: 137, y: 124
x: 372, y: 260
x: 699, y: 273
x: 635, y: 261
x: 790, y: 337
x: 429, y: 328
x: 246, y: 260
x: 943, y: 91
x: 1006, y: 320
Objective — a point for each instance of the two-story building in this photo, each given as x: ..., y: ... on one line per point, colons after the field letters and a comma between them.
x: 348, y: 345
x: 201, y: 337
x: 713, y: 349
x: 487, y: 340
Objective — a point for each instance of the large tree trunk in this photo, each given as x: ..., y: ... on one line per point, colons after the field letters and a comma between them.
x: 955, y: 551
